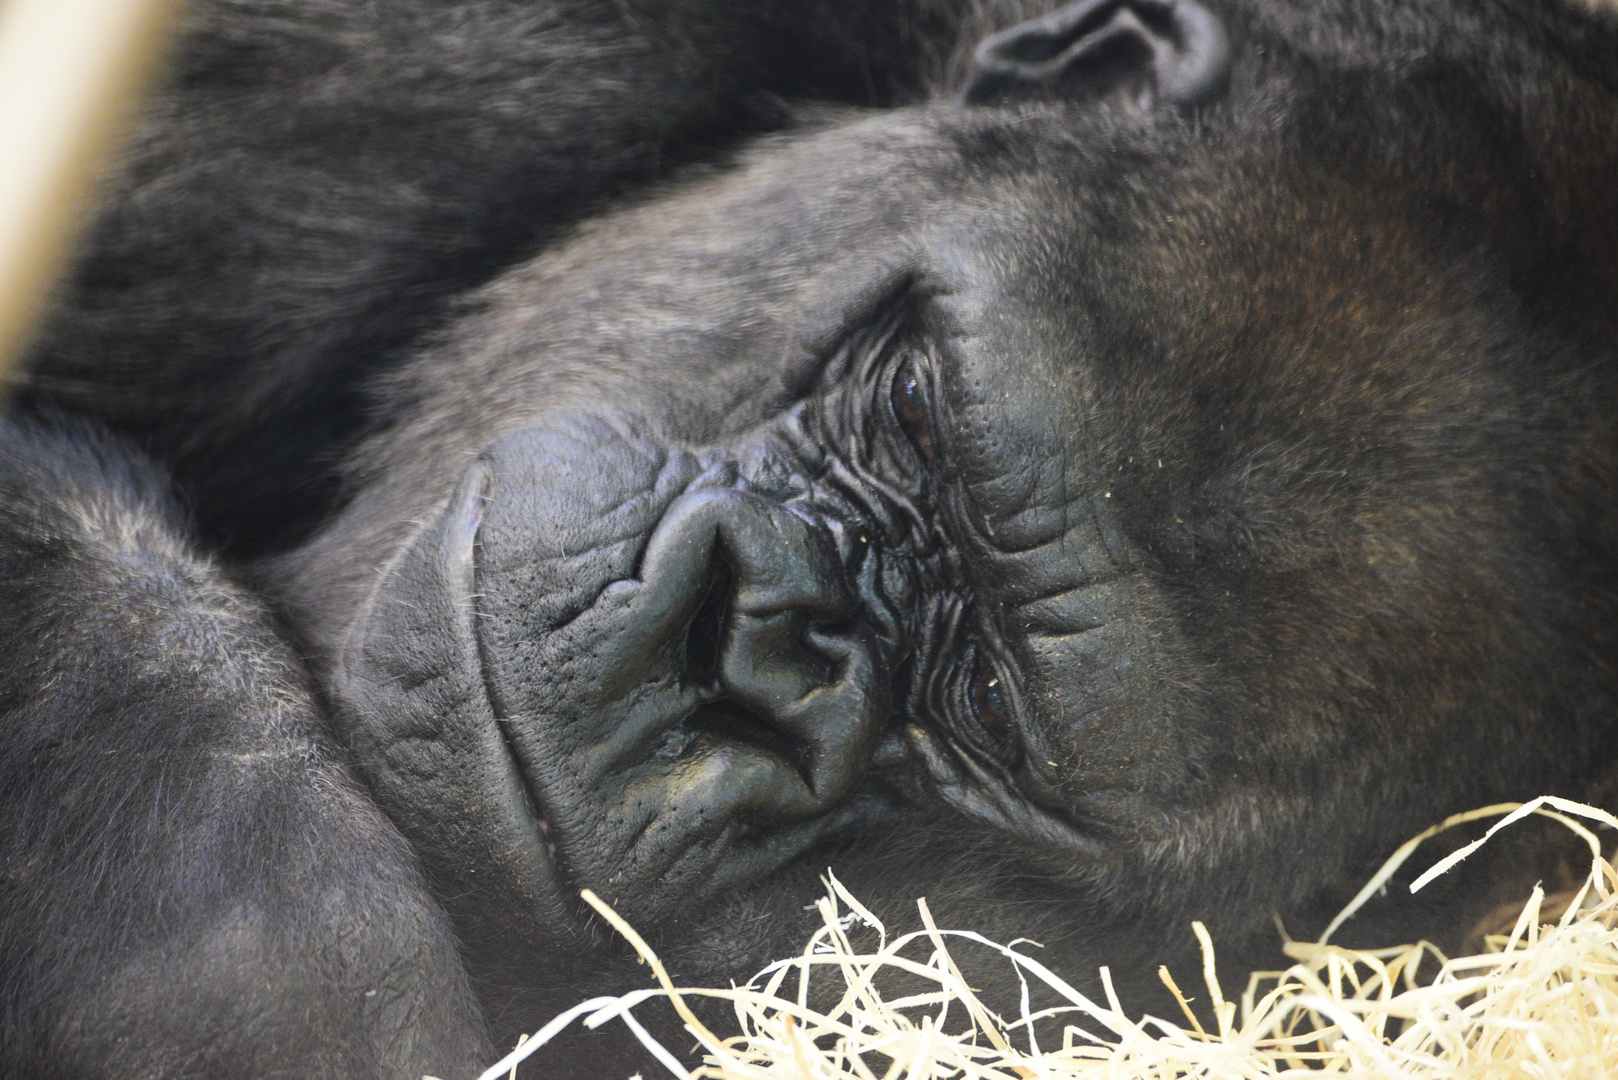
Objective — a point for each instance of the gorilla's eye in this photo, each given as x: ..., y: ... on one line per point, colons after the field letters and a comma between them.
x: 991, y: 706
x: 911, y: 408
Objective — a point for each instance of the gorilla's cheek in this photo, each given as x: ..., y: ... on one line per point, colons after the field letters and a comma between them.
x: 673, y: 665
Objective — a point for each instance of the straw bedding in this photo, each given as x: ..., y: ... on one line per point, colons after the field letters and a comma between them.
x: 1540, y: 1002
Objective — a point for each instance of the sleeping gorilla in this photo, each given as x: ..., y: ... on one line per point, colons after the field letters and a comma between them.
x: 1156, y: 461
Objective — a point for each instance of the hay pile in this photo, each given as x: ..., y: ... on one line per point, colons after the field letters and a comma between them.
x: 1541, y: 1003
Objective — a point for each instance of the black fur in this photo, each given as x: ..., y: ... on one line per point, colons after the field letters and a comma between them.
x: 671, y: 448
x: 174, y: 825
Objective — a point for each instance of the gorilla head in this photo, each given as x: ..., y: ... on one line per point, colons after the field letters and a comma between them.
x: 1139, y: 470
x: 1091, y: 513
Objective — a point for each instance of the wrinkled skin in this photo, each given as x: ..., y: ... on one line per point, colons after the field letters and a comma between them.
x: 1102, y: 496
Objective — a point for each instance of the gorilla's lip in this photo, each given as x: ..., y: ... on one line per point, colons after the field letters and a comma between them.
x: 530, y: 794
x: 412, y: 698
x: 475, y: 496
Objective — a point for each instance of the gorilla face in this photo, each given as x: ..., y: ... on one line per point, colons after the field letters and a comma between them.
x: 1086, y: 500
x: 1140, y: 467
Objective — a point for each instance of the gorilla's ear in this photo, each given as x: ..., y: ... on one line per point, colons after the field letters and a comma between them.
x: 1174, y: 51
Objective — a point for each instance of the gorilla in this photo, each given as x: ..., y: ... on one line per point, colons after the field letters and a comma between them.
x: 1093, y: 466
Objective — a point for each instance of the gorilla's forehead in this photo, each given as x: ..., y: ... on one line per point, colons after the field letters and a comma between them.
x: 769, y: 265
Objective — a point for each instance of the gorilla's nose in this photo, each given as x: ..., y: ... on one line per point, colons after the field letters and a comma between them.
x: 789, y: 657
x: 682, y: 670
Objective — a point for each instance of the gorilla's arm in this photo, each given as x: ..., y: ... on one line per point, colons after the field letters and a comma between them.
x: 189, y: 883
x: 321, y: 174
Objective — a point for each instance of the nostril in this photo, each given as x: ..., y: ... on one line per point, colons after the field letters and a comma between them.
x: 705, y: 635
